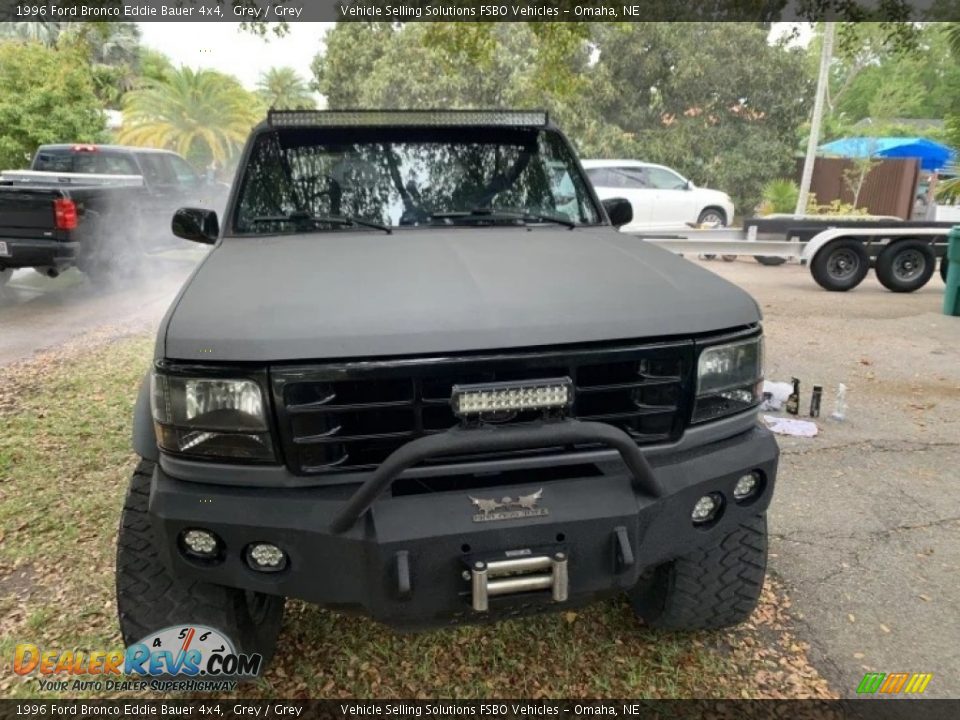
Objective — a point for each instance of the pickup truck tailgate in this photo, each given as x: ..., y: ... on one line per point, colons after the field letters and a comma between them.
x: 27, y: 213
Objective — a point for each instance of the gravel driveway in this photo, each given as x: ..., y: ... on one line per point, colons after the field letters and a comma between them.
x: 866, y: 520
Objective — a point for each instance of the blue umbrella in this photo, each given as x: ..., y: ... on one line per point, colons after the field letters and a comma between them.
x: 933, y: 156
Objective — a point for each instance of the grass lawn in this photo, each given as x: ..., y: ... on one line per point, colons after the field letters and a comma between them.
x: 64, y: 462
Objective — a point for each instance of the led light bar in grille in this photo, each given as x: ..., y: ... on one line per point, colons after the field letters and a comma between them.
x: 511, y: 396
x: 419, y: 118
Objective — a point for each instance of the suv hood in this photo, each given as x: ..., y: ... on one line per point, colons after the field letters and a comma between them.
x: 358, y: 294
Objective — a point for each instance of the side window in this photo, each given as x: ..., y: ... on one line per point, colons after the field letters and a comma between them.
x: 114, y: 164
x: 183, y: 172
x: 156, y: 171
x: 663, y: 179
x: 600, y: 177
x: 632, y: 178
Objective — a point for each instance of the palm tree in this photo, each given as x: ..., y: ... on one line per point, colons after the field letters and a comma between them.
x: 283, y: 89
x: 201, y: 114
x: 953, y: 37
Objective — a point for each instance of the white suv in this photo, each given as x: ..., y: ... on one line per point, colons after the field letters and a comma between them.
x: 661, y: 197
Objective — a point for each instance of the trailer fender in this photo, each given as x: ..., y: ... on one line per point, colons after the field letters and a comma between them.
x: 872, y: 236
x: 817, y: 242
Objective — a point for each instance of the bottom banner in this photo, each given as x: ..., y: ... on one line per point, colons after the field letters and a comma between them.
x: 352, y: 709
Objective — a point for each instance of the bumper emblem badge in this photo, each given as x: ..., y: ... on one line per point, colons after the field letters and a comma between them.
x: 508, y: 508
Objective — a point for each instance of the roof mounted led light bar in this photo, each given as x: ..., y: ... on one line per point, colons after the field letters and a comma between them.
x: 411, y: 118
x: 472, y: 400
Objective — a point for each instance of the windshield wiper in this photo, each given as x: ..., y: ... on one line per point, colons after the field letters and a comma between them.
x: 300, y: 216
x: 490, y: 214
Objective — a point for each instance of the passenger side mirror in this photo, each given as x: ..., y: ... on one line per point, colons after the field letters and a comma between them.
x: 689, y: 185
x: 197, y: 224
x: 619, y: 210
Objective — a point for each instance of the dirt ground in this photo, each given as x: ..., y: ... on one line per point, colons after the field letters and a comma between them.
x: 866, y: 520
x: 866, y: 517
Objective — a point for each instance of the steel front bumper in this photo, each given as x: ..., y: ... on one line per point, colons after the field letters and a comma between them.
x: 435, y: 558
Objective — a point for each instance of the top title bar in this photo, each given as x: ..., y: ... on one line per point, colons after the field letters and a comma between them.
x: 472, y: 10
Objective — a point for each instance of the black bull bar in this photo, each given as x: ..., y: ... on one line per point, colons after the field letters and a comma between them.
x: 494, y: 439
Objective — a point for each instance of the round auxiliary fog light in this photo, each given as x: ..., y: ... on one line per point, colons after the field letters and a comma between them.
x: 706, y: 509
x: 266, y: 557
x: 201, y: 543
x: 746, y: 486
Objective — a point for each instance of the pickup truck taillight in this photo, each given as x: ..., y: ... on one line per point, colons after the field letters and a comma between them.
x: 65, y: 214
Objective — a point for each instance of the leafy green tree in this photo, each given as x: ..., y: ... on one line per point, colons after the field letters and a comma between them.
x: 201, y: 114
x: 282, y: 88
x: 880, y: 75
x: 714, y: 100
x: 114, y: 53
x: 154, y: 65
x: 45, y: 97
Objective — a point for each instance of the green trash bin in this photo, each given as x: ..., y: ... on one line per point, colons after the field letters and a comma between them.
x: 951, y: 296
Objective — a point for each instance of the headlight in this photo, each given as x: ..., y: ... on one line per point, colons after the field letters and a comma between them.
x: 210, y: 417
x: 729, y: 379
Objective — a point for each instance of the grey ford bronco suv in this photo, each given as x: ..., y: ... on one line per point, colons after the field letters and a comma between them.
x: 420, y: 375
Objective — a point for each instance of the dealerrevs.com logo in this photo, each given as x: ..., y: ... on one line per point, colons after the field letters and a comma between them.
x: 191, y: 657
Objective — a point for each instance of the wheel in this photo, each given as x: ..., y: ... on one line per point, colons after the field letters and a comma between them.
x: 713, y: 215
x: 728, y: 258
x: 715, y: 587
x: 151, y: 598
x: 770, y: 260
x: 840, y: 265
x: 906, y: 265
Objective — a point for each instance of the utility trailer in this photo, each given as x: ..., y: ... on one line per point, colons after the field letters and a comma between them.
x: 839, y: 251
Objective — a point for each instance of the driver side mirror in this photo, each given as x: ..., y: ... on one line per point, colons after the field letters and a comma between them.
x: 619, y: 210
x: 689, y: 185
x: 196, y: 224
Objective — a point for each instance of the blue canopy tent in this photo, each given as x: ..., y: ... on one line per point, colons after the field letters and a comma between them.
x: 933, y: 156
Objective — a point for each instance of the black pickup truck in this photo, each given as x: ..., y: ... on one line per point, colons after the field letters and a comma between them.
x: 98, y: 207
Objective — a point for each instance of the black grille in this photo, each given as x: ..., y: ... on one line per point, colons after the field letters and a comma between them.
x: 351, y: 416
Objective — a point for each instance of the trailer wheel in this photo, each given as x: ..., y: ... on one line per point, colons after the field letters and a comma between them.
x: 770, y: 260
x: 906, y: 265
x: 840, y: 265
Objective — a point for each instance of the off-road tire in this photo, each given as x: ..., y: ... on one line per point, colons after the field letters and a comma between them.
x: 906, y: 265
x: 840, y: 265
x: 715, y: 587
x: 150, y: 598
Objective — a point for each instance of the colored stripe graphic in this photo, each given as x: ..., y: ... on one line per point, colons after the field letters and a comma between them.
x: 893, y: 683
x: 918, y: 683
x: 870, y: 683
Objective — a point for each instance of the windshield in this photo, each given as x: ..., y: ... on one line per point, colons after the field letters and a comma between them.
x: 410, y: 176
